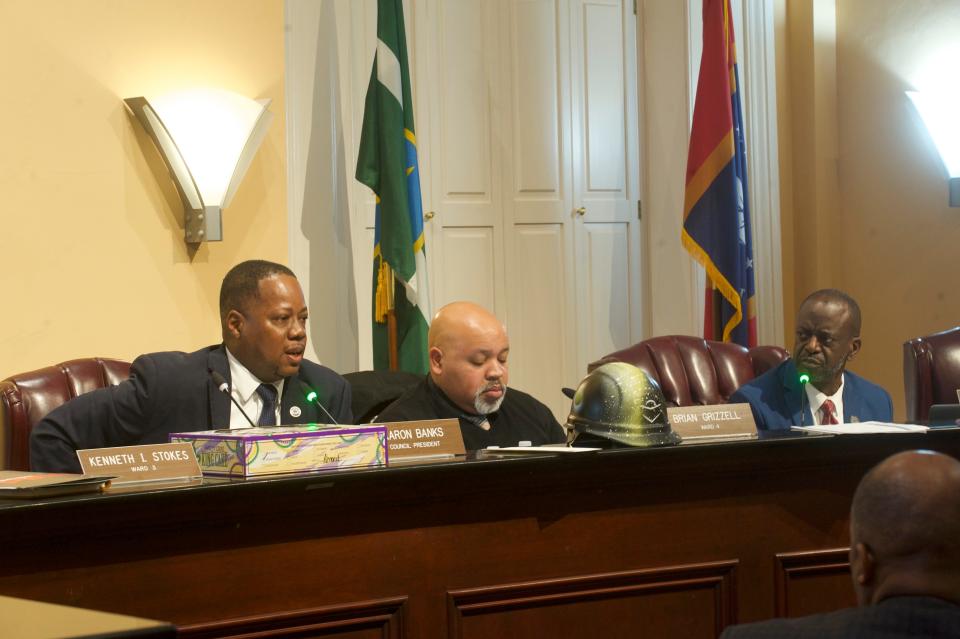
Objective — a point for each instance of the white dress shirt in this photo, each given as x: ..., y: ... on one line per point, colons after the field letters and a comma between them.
x: 243, y: 387
x: 816, y: 398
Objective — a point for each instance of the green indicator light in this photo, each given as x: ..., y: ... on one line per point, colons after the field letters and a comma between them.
x: 312, y: 396
x: 804, y: 378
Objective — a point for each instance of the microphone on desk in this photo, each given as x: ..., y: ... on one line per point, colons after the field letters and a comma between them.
x: 804, y: 380
x: 224, y: 387
x: 312, y: 398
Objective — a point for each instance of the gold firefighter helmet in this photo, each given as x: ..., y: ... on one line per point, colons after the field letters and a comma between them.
x: 621, y: 402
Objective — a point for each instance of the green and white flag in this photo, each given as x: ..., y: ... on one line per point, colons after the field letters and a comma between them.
x: 387, y: 163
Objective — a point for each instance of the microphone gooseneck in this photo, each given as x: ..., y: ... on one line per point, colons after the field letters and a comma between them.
x: 804, y: 380
x: 312, y: 398
x: 224, y: 387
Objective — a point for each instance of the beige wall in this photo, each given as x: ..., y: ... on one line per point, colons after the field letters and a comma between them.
x: 91, y: 249
x: 866, y: 208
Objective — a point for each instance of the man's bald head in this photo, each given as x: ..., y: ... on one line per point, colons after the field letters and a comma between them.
x: 840, y: 299
x: 457, y: 319
x: 905, y: 528
x: 468, y: 350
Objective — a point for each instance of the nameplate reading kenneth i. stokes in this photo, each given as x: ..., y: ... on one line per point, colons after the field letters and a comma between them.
x: 712, y: 423
x: 424, y: 438
x: 150, y: 462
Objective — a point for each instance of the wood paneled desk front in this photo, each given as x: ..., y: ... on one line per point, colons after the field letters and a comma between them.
x: 671, y: 542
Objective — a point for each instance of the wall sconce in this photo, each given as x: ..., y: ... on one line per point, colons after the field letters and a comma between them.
x: 207, y: 138
x: 939, y: 112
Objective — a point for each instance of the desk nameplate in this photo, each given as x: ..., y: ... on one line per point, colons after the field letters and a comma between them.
x: 424, y: 438
x: 711, y: 423
x: 149, y: 462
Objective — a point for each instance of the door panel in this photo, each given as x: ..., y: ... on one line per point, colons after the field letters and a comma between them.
x: 469, y: 265
x: 534, y: 71
x: 604, y: 263
x: 605, y: 177
x: 603, y: 81
x: 540, y: 336
x: 465, y: 183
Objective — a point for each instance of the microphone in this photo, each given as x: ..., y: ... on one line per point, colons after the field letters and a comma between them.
x: 224, y: 387
x: 804, y: 380
x: 312, y: 397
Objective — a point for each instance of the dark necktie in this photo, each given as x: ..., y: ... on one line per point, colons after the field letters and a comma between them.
x: 828, y: 413
x: 268, y: 395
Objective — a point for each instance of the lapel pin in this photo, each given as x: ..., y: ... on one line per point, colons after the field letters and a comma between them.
x: 295, y: 411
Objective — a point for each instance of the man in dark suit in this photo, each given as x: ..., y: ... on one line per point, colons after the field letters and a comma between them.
x: 263, y: 318
x: 904, y: 557
x: 468, y: 352
x: 828, y: 336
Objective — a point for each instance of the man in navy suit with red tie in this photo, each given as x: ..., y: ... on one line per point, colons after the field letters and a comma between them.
x: 828, y: 336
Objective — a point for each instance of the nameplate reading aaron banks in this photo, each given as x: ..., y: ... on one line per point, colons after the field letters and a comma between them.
x: 424, y: 438
x: 150, y: 462
x: 713, y: 423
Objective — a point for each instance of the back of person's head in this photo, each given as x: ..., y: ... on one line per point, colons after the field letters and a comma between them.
x: 242, y: 282
x: 905, y: 528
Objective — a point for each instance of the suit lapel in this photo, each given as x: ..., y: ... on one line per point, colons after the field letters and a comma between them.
x: 219, y: 401
x: 294, y: 407
x: 794, y: 396
x: 851, y: 400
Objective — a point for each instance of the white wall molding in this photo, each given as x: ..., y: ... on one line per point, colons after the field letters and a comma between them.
x: 760, y: 111
x: 318, y: 180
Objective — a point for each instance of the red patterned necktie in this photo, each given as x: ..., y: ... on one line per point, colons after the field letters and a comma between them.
x: 828, y: 413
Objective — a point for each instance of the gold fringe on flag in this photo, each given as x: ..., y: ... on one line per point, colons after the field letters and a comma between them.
x: 384, y: 297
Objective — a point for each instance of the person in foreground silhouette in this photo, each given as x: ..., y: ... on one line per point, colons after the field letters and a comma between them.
x: 904, y: 557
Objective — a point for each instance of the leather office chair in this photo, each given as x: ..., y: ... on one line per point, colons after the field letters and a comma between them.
x: 26, y: 398
x: 372, y: 391
x: 694, y: 371
x: 931, y: 372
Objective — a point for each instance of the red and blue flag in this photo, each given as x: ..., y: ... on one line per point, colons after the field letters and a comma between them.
x: 716, y: 216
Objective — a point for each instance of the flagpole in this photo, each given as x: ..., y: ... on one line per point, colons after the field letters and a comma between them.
x: 717, y: 314
x: 392, y: 339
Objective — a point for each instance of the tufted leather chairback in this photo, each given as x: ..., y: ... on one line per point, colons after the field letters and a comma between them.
x: 931, y: 372
x: 694, y: 371
x: 26, y: 398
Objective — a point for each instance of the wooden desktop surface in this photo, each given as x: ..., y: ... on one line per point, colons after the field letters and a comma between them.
x: 669, y: 542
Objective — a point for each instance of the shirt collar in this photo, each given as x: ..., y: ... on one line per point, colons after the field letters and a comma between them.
x: 816, y: 397
x: 244, y: 383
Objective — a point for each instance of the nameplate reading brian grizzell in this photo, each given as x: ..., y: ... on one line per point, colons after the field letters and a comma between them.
x: 424, y: 438
x: 706, y: 423
x: 150, y: 462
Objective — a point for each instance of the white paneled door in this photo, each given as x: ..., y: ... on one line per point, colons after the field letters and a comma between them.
x: 527, y: 131
x: 606, y: 176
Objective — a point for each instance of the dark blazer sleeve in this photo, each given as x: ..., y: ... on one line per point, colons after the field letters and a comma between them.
x: 342, y: 408
x: 333, y: 391
x: 750, y: 395
x: 113, y: 416
x: 868, y: 401
x: 886, y: 412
